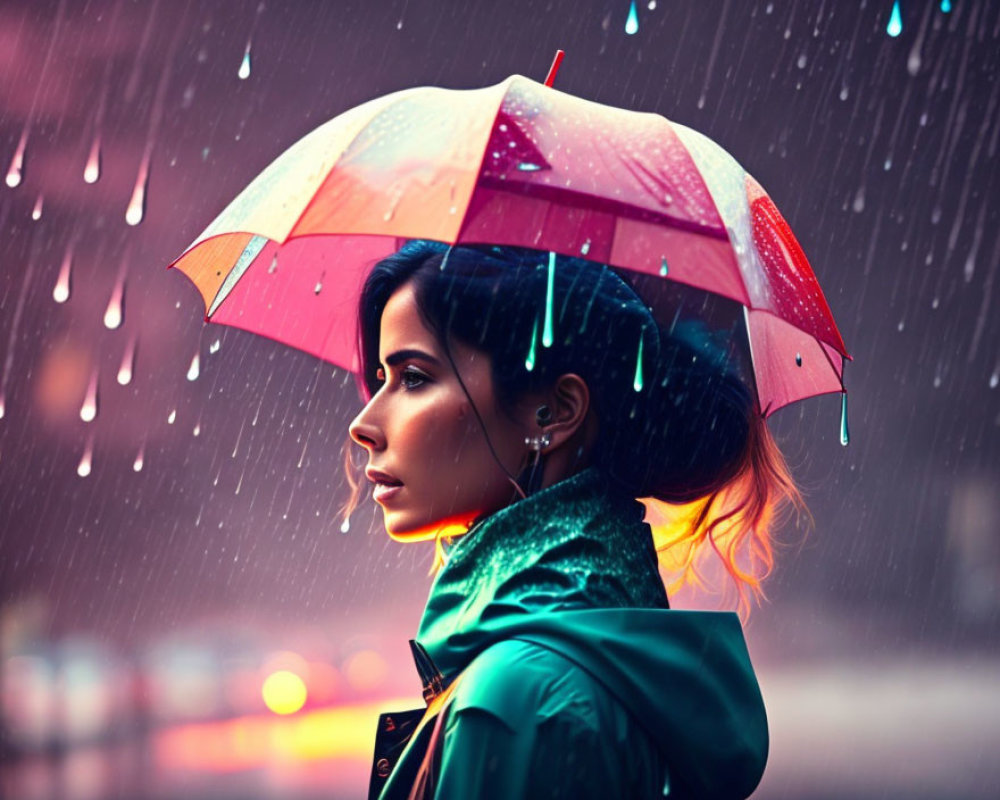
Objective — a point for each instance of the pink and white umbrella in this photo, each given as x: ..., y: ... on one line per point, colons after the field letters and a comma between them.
x: 521, y: 164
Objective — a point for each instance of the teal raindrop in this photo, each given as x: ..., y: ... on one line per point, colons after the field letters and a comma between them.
x: 632, y: 23
x: 895, y: 26
x: 845, y: 435
x: 529, y: 362
x: 547, y: 335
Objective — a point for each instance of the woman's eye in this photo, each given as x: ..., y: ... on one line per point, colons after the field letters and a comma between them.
x: 411, y: 379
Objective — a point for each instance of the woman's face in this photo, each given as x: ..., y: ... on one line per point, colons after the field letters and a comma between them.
x: 420, y: 429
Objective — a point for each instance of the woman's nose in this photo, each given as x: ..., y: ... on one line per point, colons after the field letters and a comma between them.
x: 365, y: 432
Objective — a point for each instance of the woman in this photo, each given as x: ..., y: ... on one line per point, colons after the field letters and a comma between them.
x: 529, y: 402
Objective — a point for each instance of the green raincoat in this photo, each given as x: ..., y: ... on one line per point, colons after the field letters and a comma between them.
x: 577, y: 680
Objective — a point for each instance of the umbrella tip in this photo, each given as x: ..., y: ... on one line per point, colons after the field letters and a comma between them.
x: 550, y: 78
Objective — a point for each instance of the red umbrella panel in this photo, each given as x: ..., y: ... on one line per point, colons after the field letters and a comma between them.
x: 520, y: 164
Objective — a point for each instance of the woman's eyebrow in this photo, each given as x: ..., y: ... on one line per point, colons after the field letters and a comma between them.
x: 393, y: 359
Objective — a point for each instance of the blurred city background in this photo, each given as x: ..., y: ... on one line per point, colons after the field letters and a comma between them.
x: 181, y: 614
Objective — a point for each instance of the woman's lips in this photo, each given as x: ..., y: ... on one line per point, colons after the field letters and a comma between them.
x: 383, y: 492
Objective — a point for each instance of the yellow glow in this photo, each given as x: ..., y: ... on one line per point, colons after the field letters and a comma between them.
x: 284, y: 692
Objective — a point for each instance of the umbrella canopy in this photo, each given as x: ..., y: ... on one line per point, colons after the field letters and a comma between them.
x: 520, y: 164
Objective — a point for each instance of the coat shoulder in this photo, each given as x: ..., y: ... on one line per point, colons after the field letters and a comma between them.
x: 524, y: 685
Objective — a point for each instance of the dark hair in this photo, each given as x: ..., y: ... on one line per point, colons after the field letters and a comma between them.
x: 677, y: 422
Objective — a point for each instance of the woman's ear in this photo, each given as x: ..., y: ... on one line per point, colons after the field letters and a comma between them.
x: 569, y: 405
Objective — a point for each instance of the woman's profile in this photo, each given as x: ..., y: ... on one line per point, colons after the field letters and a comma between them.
x: 518, y: 404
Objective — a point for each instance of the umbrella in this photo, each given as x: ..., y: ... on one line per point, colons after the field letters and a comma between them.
x: 523, y: 164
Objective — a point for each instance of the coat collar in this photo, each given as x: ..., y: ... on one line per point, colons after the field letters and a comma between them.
x: 575, y: 544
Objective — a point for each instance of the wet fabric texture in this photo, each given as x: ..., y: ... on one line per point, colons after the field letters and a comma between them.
x: 577, y: 678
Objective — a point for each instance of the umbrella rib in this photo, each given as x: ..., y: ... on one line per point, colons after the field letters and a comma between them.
x: 250, y: 252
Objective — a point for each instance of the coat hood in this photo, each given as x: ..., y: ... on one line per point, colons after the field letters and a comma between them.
x: 573, y: 568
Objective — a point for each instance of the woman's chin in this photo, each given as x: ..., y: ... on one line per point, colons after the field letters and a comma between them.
x: 402, y: 530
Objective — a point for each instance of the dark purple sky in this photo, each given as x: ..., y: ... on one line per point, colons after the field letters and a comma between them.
x: 880, y: 152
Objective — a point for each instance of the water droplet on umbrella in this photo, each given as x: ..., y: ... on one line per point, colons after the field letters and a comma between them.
x: 318, y: 287
x: 15, y: 172
x: 529, y: 362
x: 127, y: 365
x: 895, y: 26
x: 798, y: 359
x: 137, y: 205
x: 36, y: 212
x: 195, y: 369
x: 244, y: 70
x: 585, y: 247
x: 172, y: 418
x: 527, y: 166
x: 547, y: 334
x: 845, y: 436
x: 632, y: 23
x: 83, y: 468
x: 92, y: 172
x: 637, y: 380
x: 113, y: 313
x: 88, y: 411
x: 60, y: 293
x: 663, y: 266
x: 137, y: 464
x: 214, y: 347
x: 273, y: 267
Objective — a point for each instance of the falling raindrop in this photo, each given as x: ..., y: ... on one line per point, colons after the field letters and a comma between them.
x: 137, y: 464
x: 895, y: 26
x: 798, y: 359
x: 995, y: 380
x: 214, y: 347
x: 946, y: 6
x: 36, y: 212
x: 88, y: 411
x: 547, y: 334
x: 137, y: 205
x: 844, y: 92
x: 197, y: 429
x: 113, y: 313
x: 844, y: 433
x: 651, y: 5
x: 859, y: 200
x: 60, y: 293
x: 529, y: 362
x: 92, y: 172
x: 127, y: 365
x: 194, y: 370
x: 345, y: 526
x: 3, y: 406
x: 244, y: 71
x: 637, y: 381
x: 318, y: 287
x: 273, y: 266
x: 632, y: 23
x: 172, y: 418
x: 83, y: 468
x: 663, y: 266
x: 15, y: 172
